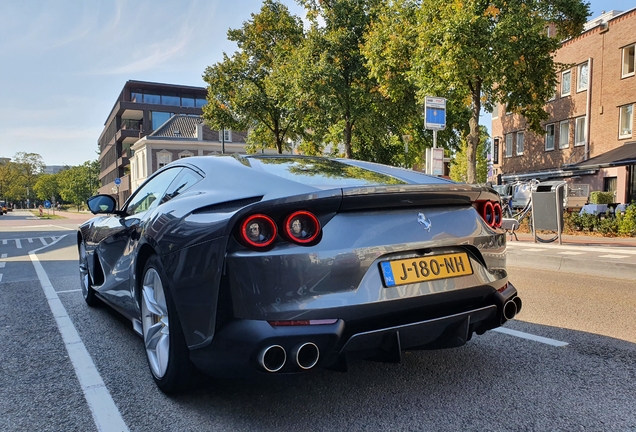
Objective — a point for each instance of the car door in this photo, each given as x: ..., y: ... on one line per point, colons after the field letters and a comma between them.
x: 120, y: 236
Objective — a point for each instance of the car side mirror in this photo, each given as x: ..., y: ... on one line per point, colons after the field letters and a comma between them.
x: 102, y: 204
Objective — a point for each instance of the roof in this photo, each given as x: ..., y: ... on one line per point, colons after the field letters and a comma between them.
x: 178, y: 126
x: 620, y: 156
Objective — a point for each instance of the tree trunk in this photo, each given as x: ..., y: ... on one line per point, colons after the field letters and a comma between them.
x: 347, y: 139
x: 473, y: 137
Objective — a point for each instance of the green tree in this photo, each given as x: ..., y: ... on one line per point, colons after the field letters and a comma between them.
x: 28, y: 166
x: 79, y: 183
x: 334, y: 76
x: 46, y: 187
x: 251, y: 88
x: 459, y: 161
x: 475, y: 53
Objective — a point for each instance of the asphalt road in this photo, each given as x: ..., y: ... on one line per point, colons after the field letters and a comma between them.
x: 497, y: 381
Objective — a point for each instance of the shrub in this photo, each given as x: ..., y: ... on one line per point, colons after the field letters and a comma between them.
x: 627, y: 221
x: 598, y: 197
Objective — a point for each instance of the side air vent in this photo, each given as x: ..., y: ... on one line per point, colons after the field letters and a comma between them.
x: 228, y: 206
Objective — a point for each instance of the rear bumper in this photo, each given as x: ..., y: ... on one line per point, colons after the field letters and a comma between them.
x: 238, y: 347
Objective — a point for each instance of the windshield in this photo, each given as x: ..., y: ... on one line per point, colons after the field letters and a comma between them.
x: 321, y: 173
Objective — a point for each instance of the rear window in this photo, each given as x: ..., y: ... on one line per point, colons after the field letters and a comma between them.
x: 322, y: 173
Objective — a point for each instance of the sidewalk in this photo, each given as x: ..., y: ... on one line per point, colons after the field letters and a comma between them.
x: 613, y: 257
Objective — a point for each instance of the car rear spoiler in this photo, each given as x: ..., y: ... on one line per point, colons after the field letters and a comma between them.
x: 395, y: 196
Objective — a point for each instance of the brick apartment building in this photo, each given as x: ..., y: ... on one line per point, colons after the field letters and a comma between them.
x: 589, y: 135
x: 140, y: 108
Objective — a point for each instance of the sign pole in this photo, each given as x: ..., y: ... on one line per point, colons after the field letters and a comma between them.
x: 434, y: 138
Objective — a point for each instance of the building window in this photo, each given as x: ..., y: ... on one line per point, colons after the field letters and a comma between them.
x: 579, y: 132
x: 187, y: 101
x: 152, y: 99
x: 626, y: 121
x: 565, y: 82
x: 159, y: 118
x: 628, y: 60
x: 495, y: 151
x: 581, y: 78
x: 549, y: 137
x: 509, y: 145
x: 170, y: 100
x: 610, y: 184
x: 163, y: 158
x: 136, y: 97
x: 226, y: 135
x: 520, y: 139
x: 495, y: 110
x: 564, y: 134
x: 185, y: 154
x: 200, y: 102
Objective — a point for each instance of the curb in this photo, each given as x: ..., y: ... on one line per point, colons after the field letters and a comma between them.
x: 569, y: 264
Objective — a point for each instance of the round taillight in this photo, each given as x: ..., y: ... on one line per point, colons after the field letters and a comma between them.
x: 488, y: 211
x: 497, y: 214
x: 258, y: 230
x: 302, y: 227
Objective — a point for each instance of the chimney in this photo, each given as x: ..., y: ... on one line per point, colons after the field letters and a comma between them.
x: 199, y: 131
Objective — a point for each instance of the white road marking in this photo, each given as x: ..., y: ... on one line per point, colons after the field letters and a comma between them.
x: 570, y: 253
x: 68, y: 291
x: 613, y: 256
x: 3, y: 256
x: 533, y: 250
x: 0, y: 277
x: 4, y: 242
x: 2, y: 264
x: 30, y: 240
x: 18, y: 243
x: 44, y: 241
x: 105, y: 412
x: 531, y: 337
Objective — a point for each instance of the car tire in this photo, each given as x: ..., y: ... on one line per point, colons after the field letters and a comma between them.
x: 90, y: 297
x: 166, y: 350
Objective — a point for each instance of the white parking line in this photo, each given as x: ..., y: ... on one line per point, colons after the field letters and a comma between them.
x: 68, y: 291
x: 4, y: 242
x: 570, y: 253
x: 105, y: 412
x: 3, y: 256
x: 44, y: 241
x: 2, y: 264
x: 0, y: 277
x: 18, y: 243
x: 531, y: 337
x: 30, y: 240
x: 613, y: 256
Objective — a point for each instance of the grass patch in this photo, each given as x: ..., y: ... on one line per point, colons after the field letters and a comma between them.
x: 46, y: 215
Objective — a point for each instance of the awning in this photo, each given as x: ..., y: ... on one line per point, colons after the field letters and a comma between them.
x: 545, y: 175
x: 620, y: 156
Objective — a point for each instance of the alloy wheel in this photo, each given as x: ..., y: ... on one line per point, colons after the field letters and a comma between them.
x: 156, y: 329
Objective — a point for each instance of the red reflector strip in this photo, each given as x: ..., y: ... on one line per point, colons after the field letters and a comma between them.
x: 302, y: 322
x: 503, y: 288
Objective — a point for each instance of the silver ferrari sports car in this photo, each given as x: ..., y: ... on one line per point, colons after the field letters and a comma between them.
x: 234, y: 265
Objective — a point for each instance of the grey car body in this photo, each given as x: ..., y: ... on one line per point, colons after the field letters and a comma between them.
x: 288, y: 307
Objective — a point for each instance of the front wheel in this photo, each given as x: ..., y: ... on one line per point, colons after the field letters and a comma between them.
x: 166, y: 350
x: 85, y: 278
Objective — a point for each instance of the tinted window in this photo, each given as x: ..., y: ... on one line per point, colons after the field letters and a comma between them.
x: 322, y: 173
x: 183, y: 182
x: 149, y: 195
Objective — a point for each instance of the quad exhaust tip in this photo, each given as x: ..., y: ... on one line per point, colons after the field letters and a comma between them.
x: 306, y: 355
x: 272, y: 358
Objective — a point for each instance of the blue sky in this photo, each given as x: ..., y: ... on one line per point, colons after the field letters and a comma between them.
x: 64, y: 62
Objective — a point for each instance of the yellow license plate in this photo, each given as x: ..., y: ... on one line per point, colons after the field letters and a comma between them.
x: 424, y: 269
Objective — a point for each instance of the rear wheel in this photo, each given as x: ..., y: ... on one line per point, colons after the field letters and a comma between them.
x: 85, y: 278
x: 166, y: 350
